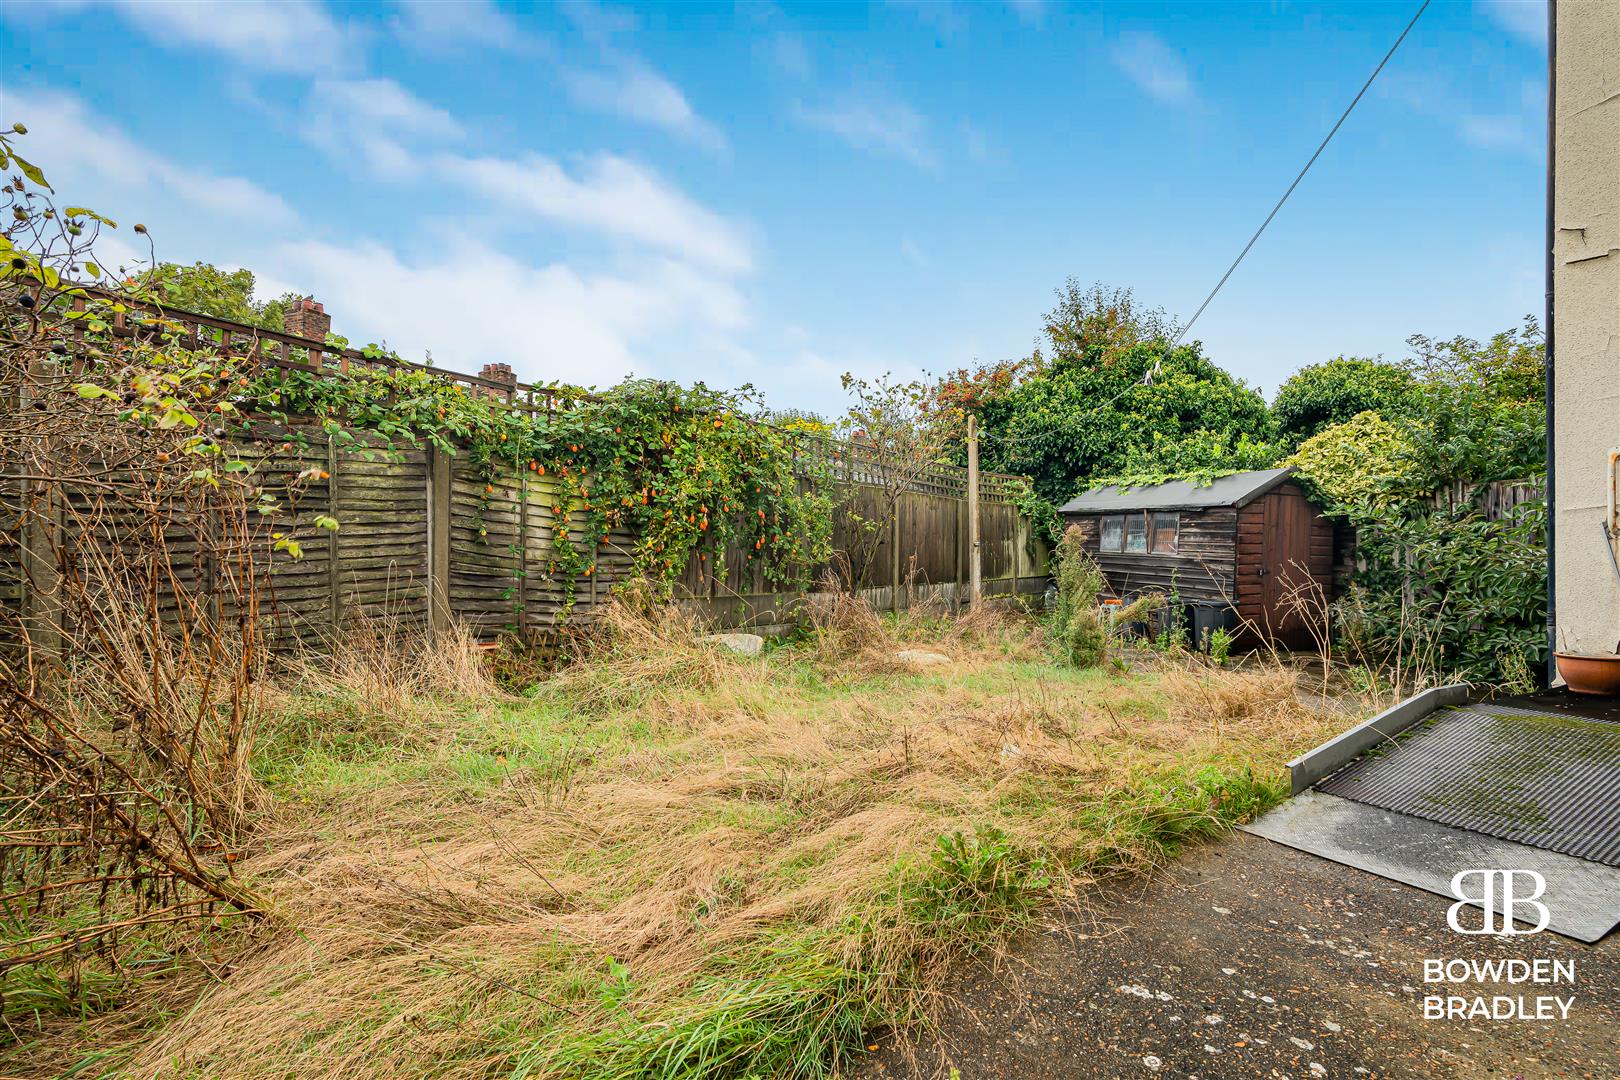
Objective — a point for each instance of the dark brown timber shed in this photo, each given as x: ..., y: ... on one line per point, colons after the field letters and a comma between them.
x: 1237, y: 551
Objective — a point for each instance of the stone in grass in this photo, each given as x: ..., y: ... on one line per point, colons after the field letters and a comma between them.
x: 921, y: 657
x: 742, y: 644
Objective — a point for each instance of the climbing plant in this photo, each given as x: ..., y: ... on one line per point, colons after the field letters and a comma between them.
x: 687, y: 470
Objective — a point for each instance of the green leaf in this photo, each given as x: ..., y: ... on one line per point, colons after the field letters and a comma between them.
x: 30, y: 170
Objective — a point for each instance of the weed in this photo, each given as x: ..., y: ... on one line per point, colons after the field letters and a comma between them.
x: 778, y: 854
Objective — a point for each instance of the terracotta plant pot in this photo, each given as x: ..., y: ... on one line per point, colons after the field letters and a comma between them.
x: 1586, y: 673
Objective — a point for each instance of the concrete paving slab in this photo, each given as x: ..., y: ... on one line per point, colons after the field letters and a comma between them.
x: 1245, y: 958
x: 1582, y: 897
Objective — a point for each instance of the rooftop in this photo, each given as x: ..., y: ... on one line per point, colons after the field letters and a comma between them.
x: 1238, y: 489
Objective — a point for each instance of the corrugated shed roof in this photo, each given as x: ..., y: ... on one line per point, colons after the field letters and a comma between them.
x: 1238, y: 489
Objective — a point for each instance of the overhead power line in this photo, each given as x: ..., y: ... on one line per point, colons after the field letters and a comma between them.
x: 1348, y: 109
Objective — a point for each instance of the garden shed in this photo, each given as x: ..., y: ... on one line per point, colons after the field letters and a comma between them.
x: 1236, y: 550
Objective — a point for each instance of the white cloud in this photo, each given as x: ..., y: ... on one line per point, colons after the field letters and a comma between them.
x: 377, y: 120
x: 668, y: 291
x: 281, y: 35
x: 435, y: 24
x: 1525, y: 19
x: 977, y: 141
x: 82, y: 153
x: 597, y: 21
x: 879, y: 126
x: 631, y: 89
x: 1155, y: 67
x: 610, y: 195
x: 1512, y: 126
x: 468, y: 304
x: 623, y: 84
x: 386, y: 103
x: 1496, y: 132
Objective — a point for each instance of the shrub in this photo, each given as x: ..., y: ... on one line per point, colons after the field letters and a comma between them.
x: 1321, y: 396
x: 1451, y: 593
x: 1109, y: 386
x: 1367, y: 461
x: 1080, y: 633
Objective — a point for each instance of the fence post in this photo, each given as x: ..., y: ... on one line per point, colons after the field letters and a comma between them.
x: 894, y: 554
x: 523, y: 554
x: 42, y: 525
x: 975, y: 566
x: 41, y: 598
x: 334, y: 575
x: 438, y: 510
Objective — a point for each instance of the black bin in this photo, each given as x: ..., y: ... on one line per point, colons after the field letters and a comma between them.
x: 1207, y: 618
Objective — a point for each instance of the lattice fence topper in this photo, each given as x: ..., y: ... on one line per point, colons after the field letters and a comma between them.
x: 858, y: 463
x: 425, y: 537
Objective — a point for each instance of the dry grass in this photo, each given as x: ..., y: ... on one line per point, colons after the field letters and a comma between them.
x: 675, y: 862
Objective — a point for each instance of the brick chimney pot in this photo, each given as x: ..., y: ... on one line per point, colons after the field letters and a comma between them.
x: 307, y: 318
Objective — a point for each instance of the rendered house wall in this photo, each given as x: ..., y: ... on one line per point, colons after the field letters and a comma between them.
x: 1586, y: 317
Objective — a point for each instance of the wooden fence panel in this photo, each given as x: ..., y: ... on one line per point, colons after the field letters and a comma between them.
x: 486, y: 542
x: 382, y: 538
x: 415, y: 524
x: 298, y: 590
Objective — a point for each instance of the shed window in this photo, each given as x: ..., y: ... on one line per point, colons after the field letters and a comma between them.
x: 1113, y: 533
x: 1136, y: 533
x: 1165, y: 535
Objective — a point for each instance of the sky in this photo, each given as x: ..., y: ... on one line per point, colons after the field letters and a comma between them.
x: 774, y: 194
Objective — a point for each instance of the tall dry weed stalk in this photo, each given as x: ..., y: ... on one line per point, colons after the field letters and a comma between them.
x: 130, y: 646
x: 843, y: 622
x: 636, y: 649
x: 387, y: 661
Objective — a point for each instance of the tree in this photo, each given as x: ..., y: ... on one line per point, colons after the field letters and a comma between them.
x: 1511, y: 368
x: 225, y: 294
x: 1321, y: 395
x: 973, y: 390
x: 1103, y: 391
x: 894, y: 436
x: 1085, y: 415
x: 1102, y: 319
x: 1483, y: 406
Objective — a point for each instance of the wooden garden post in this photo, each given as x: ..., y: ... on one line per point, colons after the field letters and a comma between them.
x: 438, y: 507
x: 975, y: 566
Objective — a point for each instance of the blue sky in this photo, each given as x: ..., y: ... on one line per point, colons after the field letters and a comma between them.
x: 777, y: 193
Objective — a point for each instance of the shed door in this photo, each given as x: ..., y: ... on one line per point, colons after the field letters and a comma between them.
x: 1285, y: 561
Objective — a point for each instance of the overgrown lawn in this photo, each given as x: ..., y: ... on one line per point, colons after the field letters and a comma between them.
x: 673, y: 862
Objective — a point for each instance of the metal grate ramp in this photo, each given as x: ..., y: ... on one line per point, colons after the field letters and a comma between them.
x: 1536, y: 778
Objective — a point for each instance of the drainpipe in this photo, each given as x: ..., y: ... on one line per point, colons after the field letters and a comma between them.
x: 1552, y: 498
